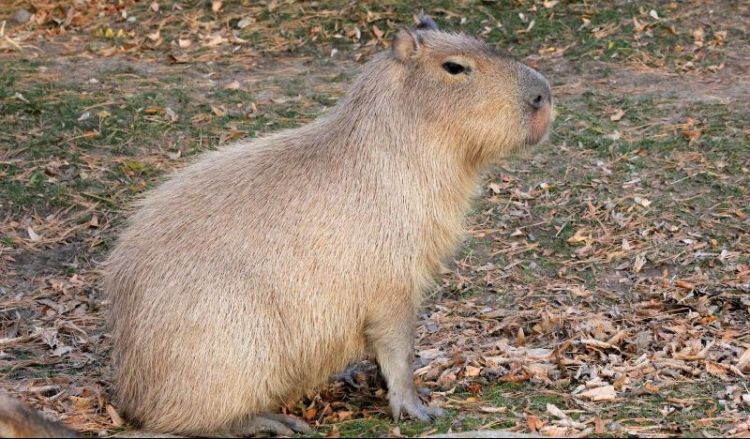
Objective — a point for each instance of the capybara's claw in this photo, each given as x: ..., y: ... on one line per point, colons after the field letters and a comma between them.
x: 273, y: 423
x: 416, y: 409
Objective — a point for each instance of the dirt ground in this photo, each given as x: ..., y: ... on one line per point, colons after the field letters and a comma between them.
x: 604, y: 284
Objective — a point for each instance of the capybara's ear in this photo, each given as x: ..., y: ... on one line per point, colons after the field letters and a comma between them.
x: 426, y: 23
x: 405, y: 44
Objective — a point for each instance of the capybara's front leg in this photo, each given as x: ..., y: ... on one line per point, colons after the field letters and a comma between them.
x: 391, y: 337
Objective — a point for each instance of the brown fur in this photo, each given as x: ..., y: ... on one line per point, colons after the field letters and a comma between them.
x: 16, y: 420
x: 264, y: 267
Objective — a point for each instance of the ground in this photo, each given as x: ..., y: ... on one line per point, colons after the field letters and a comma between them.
x: 604, y: 284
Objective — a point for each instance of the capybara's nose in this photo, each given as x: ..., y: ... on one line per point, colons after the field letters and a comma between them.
x: 539, y: 96
x: 535, y: 90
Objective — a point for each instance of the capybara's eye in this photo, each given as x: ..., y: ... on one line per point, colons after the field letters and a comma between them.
x: 454, y: 68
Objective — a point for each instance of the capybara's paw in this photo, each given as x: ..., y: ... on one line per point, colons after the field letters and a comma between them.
x: 271, y: 423
x: 415, y: 409
x: 358, y: 375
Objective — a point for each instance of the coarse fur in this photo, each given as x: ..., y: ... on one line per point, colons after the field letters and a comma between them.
x: 264, y: 267
x: 17, y: 420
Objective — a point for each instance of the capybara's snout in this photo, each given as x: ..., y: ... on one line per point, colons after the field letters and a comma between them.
x: 536, y: 98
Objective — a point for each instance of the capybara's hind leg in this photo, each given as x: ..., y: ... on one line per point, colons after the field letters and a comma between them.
x: 356, y: 374
x: 269, y: 423
x: 391, y: 338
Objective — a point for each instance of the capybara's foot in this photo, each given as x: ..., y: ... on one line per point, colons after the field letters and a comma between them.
x: 356, y: 375
x: 415, y: 408
x: 271, y: 423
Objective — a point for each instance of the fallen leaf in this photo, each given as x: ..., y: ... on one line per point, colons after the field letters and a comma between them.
x: 32, y: 234
x: 743, y: 363
x: 640, y: 261
x: 344, y: 415
x: 603, y: 393
x: 116, y: 419
x: 245, y: 22
x: 617, y: 115
x: 698, y: 37
x: 638, y: 26
x: 716, y: 369
x: 579, y: 237
x: 487, y: 409
x: 171, y: 114
x: 555, y: 411
x: 534, y: 423
x: 310, y: 414
x: 520, y: 337
x: 215, y: 5
x: 471, y: 371
x: 234, y: 85
x: 599, y: 427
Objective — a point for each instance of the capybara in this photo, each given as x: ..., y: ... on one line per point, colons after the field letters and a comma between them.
x: 17, y: 420
x: 262, y: 268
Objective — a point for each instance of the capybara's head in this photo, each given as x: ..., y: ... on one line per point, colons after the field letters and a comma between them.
x: 489, y: 101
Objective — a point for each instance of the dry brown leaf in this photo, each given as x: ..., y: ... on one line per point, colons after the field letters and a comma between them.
x: 599, y: 427
x: 617, y: 115
x: 598, y: 343
x: 743, y: 363
x: 310, y: 414
x: 640, y: 261
x: 520, y: 337
x: 534, y: 423
x: 171, y: 114
x: 698, y: 37
x: 579, y: 237
x: 639, y: 27
x: 554, y: 431
x: 471, y: 371
x: 690, y: 131
x: 556, y: 412
x: 344, y: 415
x: 215, y: 6
x: 717, y: 370
x: 487, y: 409
x: 32, y: 234
x: 114, y: 416
x: 603, y: 393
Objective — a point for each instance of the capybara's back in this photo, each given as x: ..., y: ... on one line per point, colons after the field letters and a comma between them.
x: 264, y: 267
